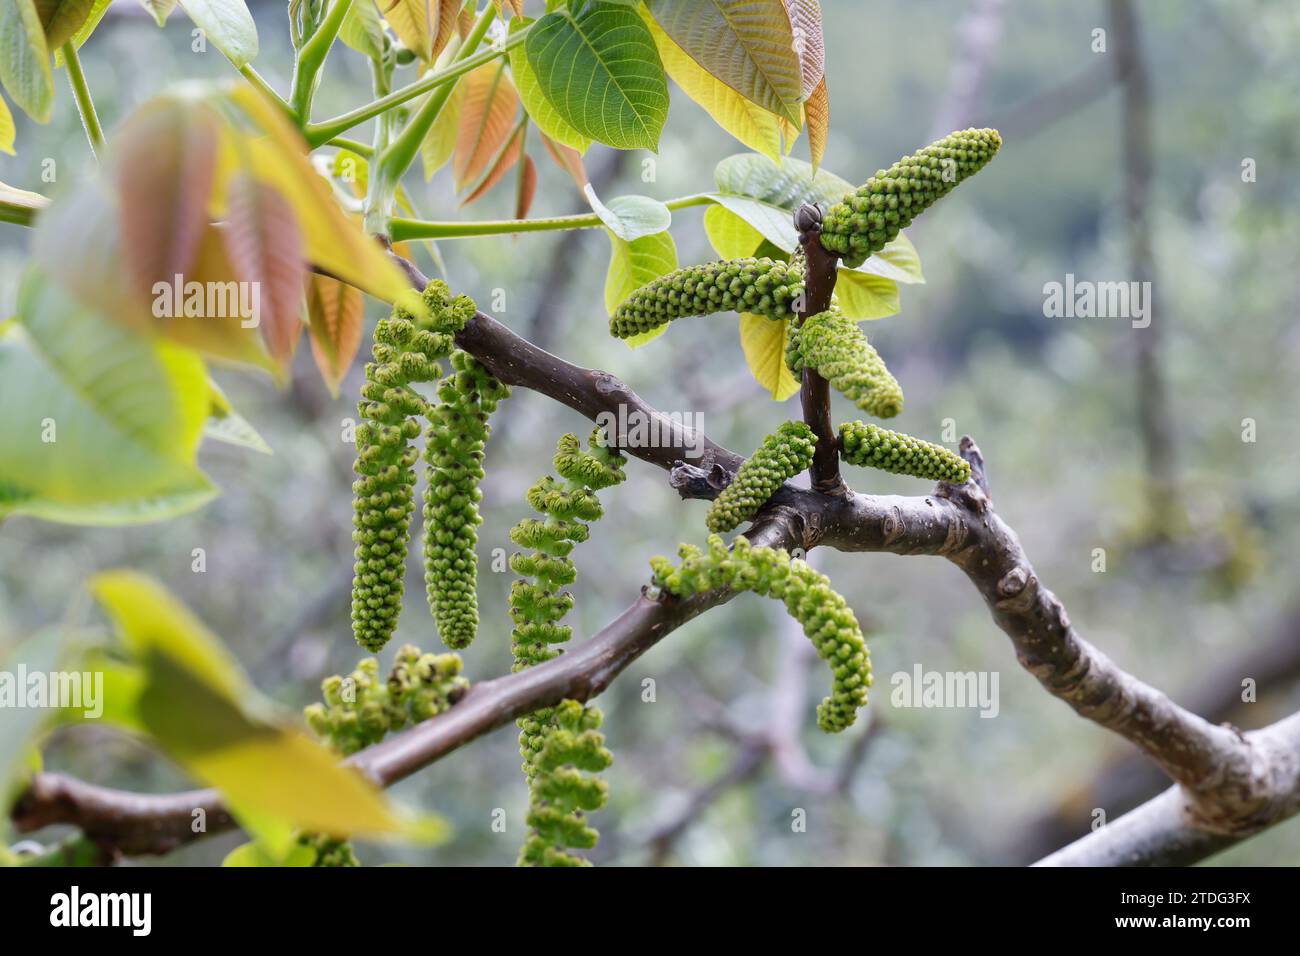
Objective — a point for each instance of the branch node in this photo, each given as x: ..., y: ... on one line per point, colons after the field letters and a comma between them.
x: 692, y: 481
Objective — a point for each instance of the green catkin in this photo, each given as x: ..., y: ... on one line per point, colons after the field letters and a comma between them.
x: 783, y: 454
x: 562, y: 745
x: 537, y: 605
x: 361, y: 709
x: 837, y: 349
x: 863, y: 222
x: 767, y: 287
x: 870, y: 446
x: 561, y: 787
x: 826, y: 618
x: 330, y: 851
x: 458, y: 432
x: 406, y: 351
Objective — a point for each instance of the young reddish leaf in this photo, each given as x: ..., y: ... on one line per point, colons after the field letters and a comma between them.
x: 336, y: 314
x: 527, y: 188
x: 817, y: 116
x: 448, y: 15
x: 78, y: 242
x: 265, y: 247
x: 333, y: 241
x: 809, y: 43
x: 569, y: 160
x: 487, y: 119
x: 163, y: 169
x: 505, y: 161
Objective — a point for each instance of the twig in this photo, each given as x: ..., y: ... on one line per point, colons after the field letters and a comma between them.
x: 814, y: 391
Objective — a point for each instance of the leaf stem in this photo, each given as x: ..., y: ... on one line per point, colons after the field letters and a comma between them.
x: 422, y: 229
x: 85, y: 105
x: 258, y: 81
x: 401, y: 152
x: 318, y: 133
x: 352, y: 145
x: 307, y: 65
x: 380, y: 194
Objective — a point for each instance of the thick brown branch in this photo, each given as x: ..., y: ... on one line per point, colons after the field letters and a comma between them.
x: 1168, y: 830
x: 598, y: 395
x: 1218, y: 768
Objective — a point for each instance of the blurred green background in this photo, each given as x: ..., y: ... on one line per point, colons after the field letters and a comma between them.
x: 1193, y: 603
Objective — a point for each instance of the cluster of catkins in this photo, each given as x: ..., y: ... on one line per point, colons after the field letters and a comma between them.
x: 828, y: 343
x: 782, y: 455
x: 362, y: 708
x: 864, y: 222
x: 561, y: 746
x: 826, y: 617
x: 406, y: 352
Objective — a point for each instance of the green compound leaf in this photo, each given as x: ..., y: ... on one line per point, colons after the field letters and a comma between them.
x: 632, y: 265
x: 747, y: 44
x: 631, y: 217
x: 773, y: 223
x: 102, y: 424
x: 228, y: 25
x: 600, y: 70
x: 764, y: 343
x: 730, y: 235
x: 786, y: 184
x: 862, y: 296
x: 536, y: 105
x: 25, y: 59
x: 45, y: 652
x: 363, y: 30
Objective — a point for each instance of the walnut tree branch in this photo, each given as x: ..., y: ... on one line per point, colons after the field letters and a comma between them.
x: 125, y: 823
x: 821, y: 268
x: 1167, y: 830
x: 1230, y: 785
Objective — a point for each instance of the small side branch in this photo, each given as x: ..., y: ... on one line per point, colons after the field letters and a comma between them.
x: 821, y: 267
